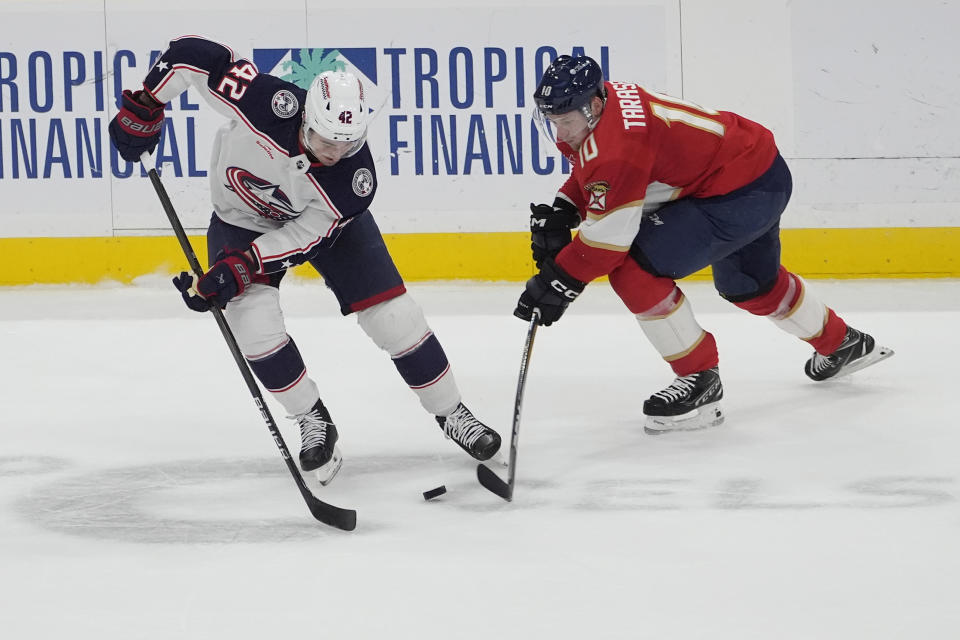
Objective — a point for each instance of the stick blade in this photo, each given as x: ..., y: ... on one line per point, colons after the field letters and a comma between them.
x: 493, y: 483
x: 345, y: 519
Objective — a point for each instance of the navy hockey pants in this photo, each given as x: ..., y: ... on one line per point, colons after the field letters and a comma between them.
x: 738, y: 234
x: 354, y: 262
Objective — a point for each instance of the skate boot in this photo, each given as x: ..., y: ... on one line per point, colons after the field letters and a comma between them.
x: 319, y: 451
x: 474, y: 437
x: 857, y: 351
x: 690, y: 402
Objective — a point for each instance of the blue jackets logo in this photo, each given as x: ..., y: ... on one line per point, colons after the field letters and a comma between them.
x: 267, y: 199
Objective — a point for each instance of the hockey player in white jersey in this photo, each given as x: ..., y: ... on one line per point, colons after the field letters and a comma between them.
x: 291, y: 181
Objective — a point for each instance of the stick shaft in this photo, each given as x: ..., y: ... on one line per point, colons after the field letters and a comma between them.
x: 518, y: 402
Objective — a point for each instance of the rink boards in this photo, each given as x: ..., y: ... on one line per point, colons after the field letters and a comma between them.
x: 932, y: 252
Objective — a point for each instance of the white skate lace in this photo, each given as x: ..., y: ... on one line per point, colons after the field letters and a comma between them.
x: 313, y: 429
x: 463, y: 427
x: 680, y: 387
x: 821, y: 363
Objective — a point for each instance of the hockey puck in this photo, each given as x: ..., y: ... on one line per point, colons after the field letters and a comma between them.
x: 433, y: 493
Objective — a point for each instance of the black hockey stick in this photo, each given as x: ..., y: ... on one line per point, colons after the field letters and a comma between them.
x: 488, y: 478
x: 345, y: 519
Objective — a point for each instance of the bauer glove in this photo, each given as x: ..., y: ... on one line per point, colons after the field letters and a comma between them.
x: 136, y: 127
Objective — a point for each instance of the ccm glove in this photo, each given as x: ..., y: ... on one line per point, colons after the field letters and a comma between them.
x: 550, y: 228
x: 227, y: 278
x: 551, y: 290
x: 136, y: 128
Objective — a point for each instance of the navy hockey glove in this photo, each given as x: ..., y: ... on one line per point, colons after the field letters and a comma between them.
x: 136, y: 128
x: 184, y: 284
x: 550, y: 228
x: 227, y: 278
x: 552, y: 290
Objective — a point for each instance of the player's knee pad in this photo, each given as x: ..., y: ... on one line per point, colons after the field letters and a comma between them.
x: 396, y: 325
x: 639, y: 289
x: 789, y: 306
x: 256, y: 320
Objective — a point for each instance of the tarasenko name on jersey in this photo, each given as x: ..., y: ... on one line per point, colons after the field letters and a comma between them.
x: 460, y: 111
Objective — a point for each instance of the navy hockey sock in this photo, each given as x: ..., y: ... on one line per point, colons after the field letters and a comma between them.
x: 422, y: 364
x: 282, y: 372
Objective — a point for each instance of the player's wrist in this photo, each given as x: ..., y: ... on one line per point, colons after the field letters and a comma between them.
x: 147, y: 100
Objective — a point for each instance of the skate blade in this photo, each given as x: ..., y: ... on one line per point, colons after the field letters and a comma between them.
x: 878, y: 354
x: 326, y: 473
x: 707, y: 416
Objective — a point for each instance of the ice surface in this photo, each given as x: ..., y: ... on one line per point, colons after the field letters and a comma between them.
x: 142, y: 497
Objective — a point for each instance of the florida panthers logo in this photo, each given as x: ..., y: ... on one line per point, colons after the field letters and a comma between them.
x: 263, y: 197
x: 598, y: 195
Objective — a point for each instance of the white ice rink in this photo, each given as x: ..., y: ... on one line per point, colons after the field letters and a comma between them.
x: 142, y: 497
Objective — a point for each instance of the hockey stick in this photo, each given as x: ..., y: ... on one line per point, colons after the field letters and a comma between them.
x: 345, y: 519
x: 488, y: 478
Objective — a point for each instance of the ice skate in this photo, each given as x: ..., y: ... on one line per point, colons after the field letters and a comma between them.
x: 474, y: 437
x: 857, y: 351
x: 690, y: 402
x: 319, y: 451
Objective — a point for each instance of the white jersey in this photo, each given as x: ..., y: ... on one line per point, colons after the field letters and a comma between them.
x: 260, y: 175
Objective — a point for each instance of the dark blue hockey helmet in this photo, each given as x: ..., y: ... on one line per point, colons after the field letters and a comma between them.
x: 569, y: 83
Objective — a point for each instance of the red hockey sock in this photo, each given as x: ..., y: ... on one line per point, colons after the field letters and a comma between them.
x: 791, y: 306
x: 703, y: 356
x: 833, y: 333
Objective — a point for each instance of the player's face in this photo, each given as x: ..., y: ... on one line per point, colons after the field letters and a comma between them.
x: 571, y: 127
x: 328, y: 152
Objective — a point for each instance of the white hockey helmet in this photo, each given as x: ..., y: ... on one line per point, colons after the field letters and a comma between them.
x: 336, y: 111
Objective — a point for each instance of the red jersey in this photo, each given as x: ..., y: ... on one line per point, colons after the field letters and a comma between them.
x: 649, y: 149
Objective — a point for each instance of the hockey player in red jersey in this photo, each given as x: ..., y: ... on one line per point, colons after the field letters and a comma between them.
x: 661, y: 188
x: 292, y: 179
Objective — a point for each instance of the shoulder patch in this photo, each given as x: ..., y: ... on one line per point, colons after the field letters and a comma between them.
x: 598, y: 195
x: 285, y: 104
x: 362, y: 182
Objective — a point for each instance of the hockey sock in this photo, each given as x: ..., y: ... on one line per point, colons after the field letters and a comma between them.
x: 791, y: 307
x: 424, y: 367
x: 677, y: 336
x: 398, y: 327
x: 666, y: 318
x: 283, y: 374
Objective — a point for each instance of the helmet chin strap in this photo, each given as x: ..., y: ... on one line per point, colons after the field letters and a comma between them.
x: 587, y: 111
x: 301, y: 135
